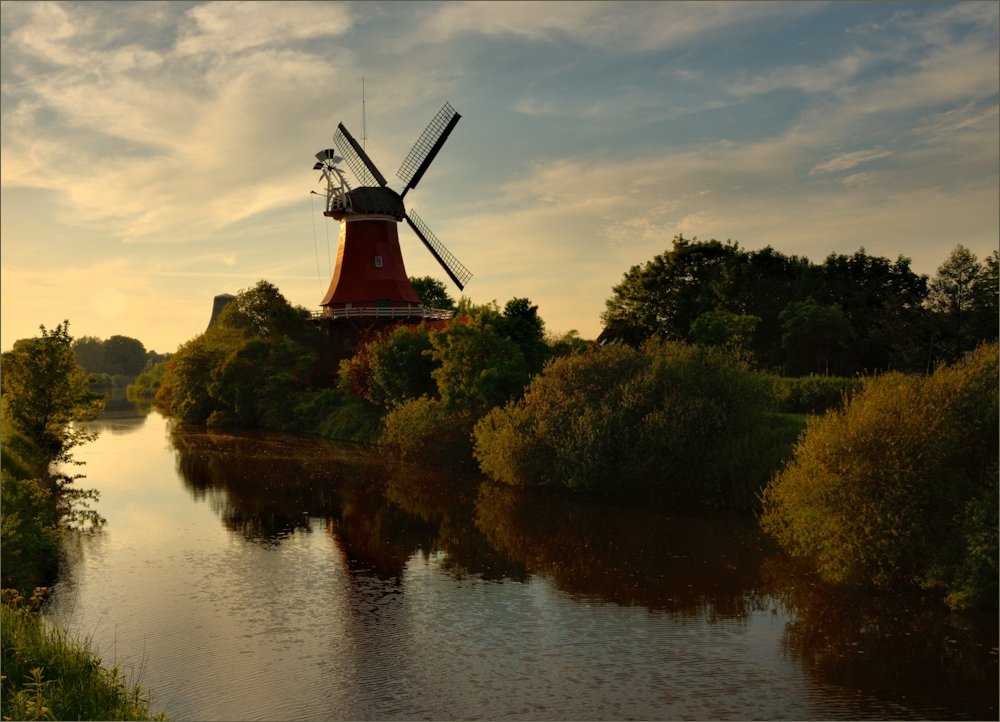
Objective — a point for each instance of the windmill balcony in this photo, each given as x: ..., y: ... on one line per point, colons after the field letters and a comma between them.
x: 375, y: 311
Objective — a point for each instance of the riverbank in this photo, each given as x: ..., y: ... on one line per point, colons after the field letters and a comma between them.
x: 49, y: 674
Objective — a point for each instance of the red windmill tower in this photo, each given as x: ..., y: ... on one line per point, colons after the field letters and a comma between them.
x: 370, y: 280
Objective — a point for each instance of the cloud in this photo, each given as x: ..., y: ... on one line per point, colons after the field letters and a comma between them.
x: 618, y: 26
x: 221, y: 28
x: 848, y: 160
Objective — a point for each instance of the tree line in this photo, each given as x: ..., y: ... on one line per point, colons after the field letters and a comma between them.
x: 115, y: 356
x: 849, y: 314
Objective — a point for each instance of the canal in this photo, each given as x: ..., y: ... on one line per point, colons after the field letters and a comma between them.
x: 265, y: 576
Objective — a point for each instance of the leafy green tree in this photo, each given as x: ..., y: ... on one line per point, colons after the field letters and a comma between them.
x: 478, y: 368
x: 811, y: 332
x: 522, y: 325
x: 401, y: 367
x: 259, y: 366
x: 952, y: 295
x: 261, y: 311
x: 666, y: 295
x: 44, y: 391
x: 124, y: 356
x: 986, y: 300
x: 566, y: 344
x: 89, y: 351
x: 722, y: 328
x: 432, y: 292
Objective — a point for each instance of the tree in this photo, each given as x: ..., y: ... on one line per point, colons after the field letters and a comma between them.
x: 952, y: 294
x: 400, y: 367
x: 44, y: 390
x: 522, y: 325
x: 666, y: 295
x: 722, y: 328
x: 479, y: 369
x: 89, y: 351
x: 261, y: 311
x: 811, y: 332
x: 432, y: 292
x: 125, y: 356
x: 985, y: 310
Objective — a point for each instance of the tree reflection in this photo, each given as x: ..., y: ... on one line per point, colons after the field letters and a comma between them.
x: 904, y: 649
x: 121, y: 415
x: 626, y: 555
x: 910, y: 653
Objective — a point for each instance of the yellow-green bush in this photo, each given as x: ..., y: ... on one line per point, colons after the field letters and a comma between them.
x: 901, y: 486
x: 426, y: 430
x: 657, y: 420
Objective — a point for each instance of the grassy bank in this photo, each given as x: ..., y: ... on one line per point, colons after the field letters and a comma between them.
x: 47, y: 674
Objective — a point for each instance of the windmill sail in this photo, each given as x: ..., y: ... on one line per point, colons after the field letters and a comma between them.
x: 459, y: 273
x: 427, y: 146
x: 358, y: 161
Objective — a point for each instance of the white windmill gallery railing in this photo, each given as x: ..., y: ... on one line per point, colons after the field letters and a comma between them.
x: 424, y: 312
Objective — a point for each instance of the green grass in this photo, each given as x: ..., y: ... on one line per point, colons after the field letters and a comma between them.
x: 47, y: 674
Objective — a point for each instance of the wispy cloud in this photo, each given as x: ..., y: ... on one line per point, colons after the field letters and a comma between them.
x: 848, y: 160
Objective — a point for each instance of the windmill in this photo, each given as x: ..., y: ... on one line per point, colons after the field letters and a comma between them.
x: 370, y: 280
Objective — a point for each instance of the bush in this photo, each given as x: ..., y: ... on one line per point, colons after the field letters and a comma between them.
x: 29, y: 532
x: 426, y: 430
x: 901, y: 486
x: 657, y: 420
x: 812, y: 394
x: 149, y: 382
x: 49, y: 675
x: 351, y: 419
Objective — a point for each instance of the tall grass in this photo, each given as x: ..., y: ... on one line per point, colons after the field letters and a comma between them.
x: 47, y: 674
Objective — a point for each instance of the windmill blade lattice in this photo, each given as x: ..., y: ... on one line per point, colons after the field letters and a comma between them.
x: 459, y: 273
x: 357, y: 160
x: 427, y: 146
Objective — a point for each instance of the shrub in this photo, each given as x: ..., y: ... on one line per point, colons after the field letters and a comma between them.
x: 29, y: 532
x: 655, y: 420
x: 900, y: 486
x: 426, y: 430
x: 812, y: 394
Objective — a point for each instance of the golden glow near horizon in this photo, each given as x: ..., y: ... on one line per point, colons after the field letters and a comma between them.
x: 154, y: 156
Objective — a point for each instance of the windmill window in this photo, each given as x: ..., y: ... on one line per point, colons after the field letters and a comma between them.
x: 378, y: 261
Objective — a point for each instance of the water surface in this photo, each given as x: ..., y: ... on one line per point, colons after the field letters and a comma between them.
x: 265, y: 576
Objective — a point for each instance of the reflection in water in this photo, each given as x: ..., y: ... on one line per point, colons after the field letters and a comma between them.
x: 898, y: 648
x: 715, y: 580
x: 632, y: 557
x: 121, y: 415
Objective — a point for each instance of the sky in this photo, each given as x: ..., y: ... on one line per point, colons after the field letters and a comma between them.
x: 154, y: 155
